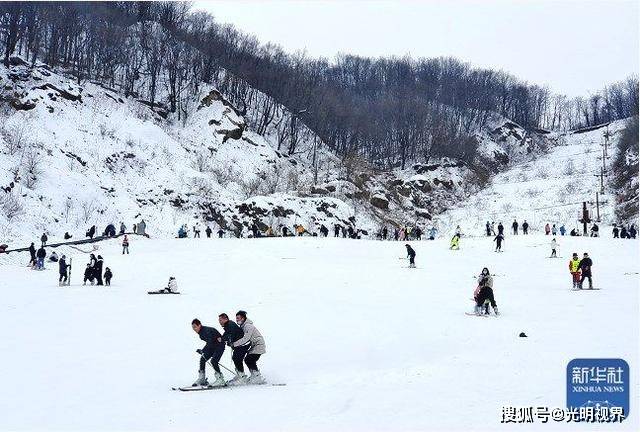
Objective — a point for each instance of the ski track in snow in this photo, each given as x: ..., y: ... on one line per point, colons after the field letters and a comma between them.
x: 363, y: 343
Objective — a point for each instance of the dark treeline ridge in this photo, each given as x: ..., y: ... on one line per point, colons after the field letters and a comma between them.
x: 389, y: 110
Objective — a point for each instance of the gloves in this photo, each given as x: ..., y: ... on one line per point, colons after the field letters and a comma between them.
x: 199, y: 351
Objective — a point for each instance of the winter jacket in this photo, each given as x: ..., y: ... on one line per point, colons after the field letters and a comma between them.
x: 107, y: 274
x: 231, y: 332
x: 253, y: 337
x: 500, y: 228
x: 172, y: 285
x: 554, y: 244
x: 98, y: 266
x: 88, y: 273
x: 410, y: 252
x: 585, y: 266
x: 125, y: 241
x: 574, y: 265
x: 32, y: 251
x: 41, y: 253
x: 210, y: 336
x: 62, y: 266
x: 499, y: 238
x: 485, y: 281
x: 455, y: 241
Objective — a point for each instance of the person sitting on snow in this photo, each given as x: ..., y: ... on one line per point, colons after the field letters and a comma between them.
x: 172, y: 286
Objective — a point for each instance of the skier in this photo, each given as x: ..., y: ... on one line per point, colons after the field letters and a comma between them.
x: 233, y: 333
x: 212, y: 350
x: 44, y: 239
x: 595, y: 230
x: 623, y: 232
x: 562, y: 230
x: 41, y: 254
x: 455, y: 242
x: 220, y: 233
x: 411, y: 254
x: 500, y: 228
x: 499, y: 239
x: 484, y: 294
x: 418, y: 232
x: 125, y: 244
x: 554, y: 230
x: 32, y: 253
x: 336, y: 230
x: 574, y: 269
x: 88, y: 275
x: 123, y: 228
x: 488, y: 228
x: 615, y: 232
x: 554, y: 247
x: 525, y: 227
x: 62, y: 267
x: 458, y: 231
x: 98, y: 270
x: 196, y: 231
x: 493, y: 228
x: 208, y: 231
x: 107, y: 276
x: 256, y: 344
x: 547, y: 229
x: 385, y: 233
x: 585, y: 266
x: 514, y: 225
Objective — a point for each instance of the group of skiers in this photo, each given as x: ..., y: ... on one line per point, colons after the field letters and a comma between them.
x: 624, y: 232
x: 406, y: 233
x: 245, y: 341
x: 93, y: 272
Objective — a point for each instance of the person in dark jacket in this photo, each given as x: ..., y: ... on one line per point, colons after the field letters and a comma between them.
x: 418, y: 233
x: 499, y: 239
x: 32, y: 253
x: 632, y: 231
x: 616, y: 231
x: 514, y: 225
x: 91, y: 232
x: 500, y: 228
x: 97, y: 270
x: 336, y: 230
x: 233, y: 333
x: 488, y: 229
x: 41, y: 254
x: 623, y: 232
x: 212, y: 350
x: 411, y: 254
x: 62, y: 267
x: 67, y: 236
x: 484, y: 294
x: 585, y: 266
x: 220, y: 233
x: 107, y: 276
x: 208, y: 231
x: 88, y: 275
x: 44, y: 239
x: 525, y: 227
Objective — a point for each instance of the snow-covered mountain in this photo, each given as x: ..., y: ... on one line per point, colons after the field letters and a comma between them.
x: 74, y: 155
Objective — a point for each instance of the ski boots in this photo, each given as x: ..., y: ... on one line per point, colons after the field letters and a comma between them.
x: 219, y: 382
x: 239, y: 379
x: 202, y: 380
x: 256, y: 378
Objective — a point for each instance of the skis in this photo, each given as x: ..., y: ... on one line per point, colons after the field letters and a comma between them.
x: 584, y: 289
x: 210, y: 387
x: 162, y: 292
x: 481, y: 316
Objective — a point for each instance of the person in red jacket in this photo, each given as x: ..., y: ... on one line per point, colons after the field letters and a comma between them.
x: 125, y: 245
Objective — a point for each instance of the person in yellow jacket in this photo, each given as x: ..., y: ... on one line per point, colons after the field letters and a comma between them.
x: 455, y: 242
x: 574, y: 269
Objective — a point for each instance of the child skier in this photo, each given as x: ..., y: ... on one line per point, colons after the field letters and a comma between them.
x: 455, y: 242
x: 411, y: 254
x: 499, y: 239
x: 574, y: 269
x: 107, y: 276
x: 484, y: 294
x: 554, y: 248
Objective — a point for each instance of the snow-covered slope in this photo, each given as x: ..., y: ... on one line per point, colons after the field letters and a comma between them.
x: 362, y: 342
x: 547, y: 188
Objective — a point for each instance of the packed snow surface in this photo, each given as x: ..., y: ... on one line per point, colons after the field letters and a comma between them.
x: 362, y: 342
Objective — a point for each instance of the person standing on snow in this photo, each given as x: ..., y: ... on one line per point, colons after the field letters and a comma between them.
x: 616, y: 231
x: 500, y: 228
x: 585, y: 267
x: 499, y: 239
x: 554, y: 247
x: 41, y: 254
x: 208, y: 231
x: 514, y: 225
x: 455, y: 242
x: 107, y: 276
x: 554, y: 230
x: 411, y: 254
x: 574, y: 269
x: 547, y: 229
x: 62, y: 267
x: 233, y: 333
x: 97, y: 270
x: 562, y: 230
x: 125, y: 245
x: 488, y: 229
x: 44, y: 239
x: 484, y: 294
x: 32, y: 253
x: 256, y: 343
x: 88, y: 275
x: 123, y: 228
x: 525, y: 227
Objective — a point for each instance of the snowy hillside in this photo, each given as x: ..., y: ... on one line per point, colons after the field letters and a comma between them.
x: 78, y: 155
x: 362, y: 342
x: 549, y: 188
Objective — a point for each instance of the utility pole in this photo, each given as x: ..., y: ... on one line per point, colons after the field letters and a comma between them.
x: 597, y: 208
x: 585, y: 217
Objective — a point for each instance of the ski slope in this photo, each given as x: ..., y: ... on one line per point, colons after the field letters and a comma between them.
x: 549, y: 188
x: 363, y: 343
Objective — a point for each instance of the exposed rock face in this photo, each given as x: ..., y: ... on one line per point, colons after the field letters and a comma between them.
x: 380, y: 201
